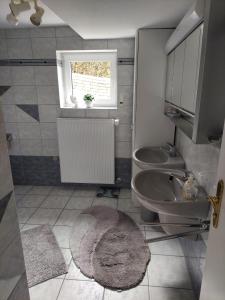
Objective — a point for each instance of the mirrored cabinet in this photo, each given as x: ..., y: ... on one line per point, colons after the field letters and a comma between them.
x: 194, y: 93
x: 183, y: 72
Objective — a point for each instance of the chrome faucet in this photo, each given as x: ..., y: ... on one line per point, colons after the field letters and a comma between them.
x: 170, y: 149
x: 181, y: 175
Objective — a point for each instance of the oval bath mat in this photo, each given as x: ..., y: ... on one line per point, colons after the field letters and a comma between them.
x: 108, y: 246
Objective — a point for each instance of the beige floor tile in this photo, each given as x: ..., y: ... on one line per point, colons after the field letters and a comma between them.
x: 157, y: 293
x: 44, y: 216
x: 53, y: 201
x: 81, y: 290
x: 168, y: 271
x: 79, y: 202
x: 67, y: 217
x: 110, y: 202
x: 140, y: 292
x: 48, y: 290
x: 62, y: 234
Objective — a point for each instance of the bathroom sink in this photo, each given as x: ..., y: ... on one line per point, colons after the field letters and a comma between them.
x: 156, y: 157
x: 161, y: 191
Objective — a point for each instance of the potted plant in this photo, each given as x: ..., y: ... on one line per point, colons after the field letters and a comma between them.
x: 88, y: 99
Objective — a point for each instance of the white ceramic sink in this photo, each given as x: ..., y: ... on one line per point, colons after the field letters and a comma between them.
x: 148, y: 158
x: 161, y: 191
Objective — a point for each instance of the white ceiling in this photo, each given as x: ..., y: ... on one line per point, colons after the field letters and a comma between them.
x: 98, y: 19
x: 49, y: 18
x: 118, y: 18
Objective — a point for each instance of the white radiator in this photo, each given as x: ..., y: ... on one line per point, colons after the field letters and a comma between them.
x: 87, y: 150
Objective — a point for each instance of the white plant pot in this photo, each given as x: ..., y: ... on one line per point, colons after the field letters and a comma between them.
x: 73, y: 99
x: 88, y: 104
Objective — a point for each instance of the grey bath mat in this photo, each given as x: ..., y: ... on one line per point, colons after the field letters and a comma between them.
x: 43, y: 257
x: 108, y: 246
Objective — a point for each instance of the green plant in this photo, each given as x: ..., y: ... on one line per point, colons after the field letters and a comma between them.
x: 88, y: 98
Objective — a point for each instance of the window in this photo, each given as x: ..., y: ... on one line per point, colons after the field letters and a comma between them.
x: 87, y: 72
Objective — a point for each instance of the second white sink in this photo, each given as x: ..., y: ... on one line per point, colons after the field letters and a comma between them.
x: 148, y: 158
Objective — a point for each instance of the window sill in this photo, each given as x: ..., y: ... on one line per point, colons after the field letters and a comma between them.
x: 91, y: 108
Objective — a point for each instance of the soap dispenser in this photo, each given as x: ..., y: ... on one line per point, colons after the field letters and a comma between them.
x: 190, y: 188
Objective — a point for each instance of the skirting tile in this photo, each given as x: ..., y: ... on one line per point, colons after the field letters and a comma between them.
x: 45, y: 170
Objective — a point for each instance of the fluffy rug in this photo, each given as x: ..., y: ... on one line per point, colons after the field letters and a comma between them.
x: 43, y: 257
x: 108, y: 246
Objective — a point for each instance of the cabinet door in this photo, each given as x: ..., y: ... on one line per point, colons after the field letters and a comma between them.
x: 178, y: 74
x: 169, y: 76
x: 191, y: 70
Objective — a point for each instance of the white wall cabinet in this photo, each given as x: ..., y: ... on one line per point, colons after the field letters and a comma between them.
x: 169, y: 76
x: 178, y: 73
x: 182, y: 72
x: 191, y: 70
x: 200, y: 112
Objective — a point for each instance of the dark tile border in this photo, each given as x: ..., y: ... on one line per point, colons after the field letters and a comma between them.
x: 45, y: 170
x: 4, y: 89
x: 31, y: 110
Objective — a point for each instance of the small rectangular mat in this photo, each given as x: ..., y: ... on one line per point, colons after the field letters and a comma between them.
x: 43, y: 257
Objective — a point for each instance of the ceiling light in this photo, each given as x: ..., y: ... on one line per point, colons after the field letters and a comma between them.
x: 19, y: 6
x: 36, y: 18
x: 12, y: 19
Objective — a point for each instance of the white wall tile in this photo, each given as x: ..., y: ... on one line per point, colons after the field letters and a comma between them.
x: 23, y: 117
x: 125, y: 95
x: 31, y: 147
x: 13, y: 129
x: 3, y: 49
x: 19, y: 48
x: 24, y: 94
x: 125, y: 75
x: 95, y: 44
x: 44, y: 47
x: 2, y: 33
x: 9, y: 113
x: 48, y: 113
x: 68, y: 43
x: 125, y: 47
x: 5, y: 76
x: 72, y: 113
x: 202, y: 160
x: 124, y: 114
x: 22, y: 75
x: 46, y: 75
x: 29, y: 131
x: 50, y: 147
x: 48, y: 94
x: 123, y: 149
x: 17, y: 33
x: 14, y: 147
x: 65, y: 31
x: 123, y: 133
x: 97, y: 113
x: 48, y: 130
x: 8, y: 97
x: 42, y: 32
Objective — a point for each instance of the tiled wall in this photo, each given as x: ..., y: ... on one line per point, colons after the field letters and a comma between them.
x: 202, y: 160
x: 31, y: 105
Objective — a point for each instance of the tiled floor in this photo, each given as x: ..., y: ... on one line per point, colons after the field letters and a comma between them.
x: 167, y: 277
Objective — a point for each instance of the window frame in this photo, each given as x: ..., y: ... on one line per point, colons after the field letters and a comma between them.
x: 64, y: 71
